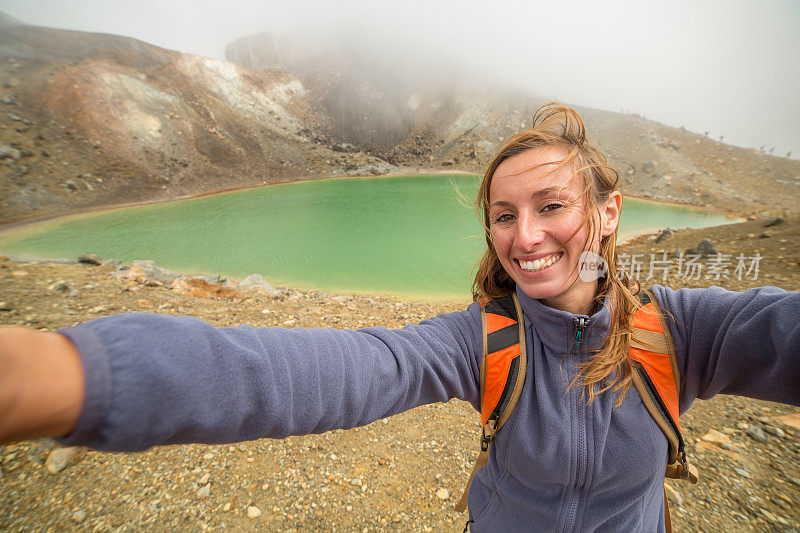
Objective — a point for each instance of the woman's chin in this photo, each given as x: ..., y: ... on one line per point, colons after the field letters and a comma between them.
x: 556, y: 292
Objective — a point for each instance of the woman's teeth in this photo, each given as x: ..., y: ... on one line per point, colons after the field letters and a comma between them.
x: 538, y: 264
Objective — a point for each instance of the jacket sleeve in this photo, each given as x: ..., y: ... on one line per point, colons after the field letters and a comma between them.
x: 154, y: 379
x: 744, y: 343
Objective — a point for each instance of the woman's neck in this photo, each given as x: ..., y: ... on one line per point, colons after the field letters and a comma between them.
x: 578, y: 300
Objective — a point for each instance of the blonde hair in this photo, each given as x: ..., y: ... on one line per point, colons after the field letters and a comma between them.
x: 555, y: 124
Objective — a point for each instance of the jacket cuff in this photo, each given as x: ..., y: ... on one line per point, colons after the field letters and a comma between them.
x: 97, y: 391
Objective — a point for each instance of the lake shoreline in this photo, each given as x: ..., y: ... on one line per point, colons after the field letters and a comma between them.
x: 395, y: 173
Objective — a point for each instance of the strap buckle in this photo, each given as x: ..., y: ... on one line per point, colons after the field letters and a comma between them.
x: 486, y: 437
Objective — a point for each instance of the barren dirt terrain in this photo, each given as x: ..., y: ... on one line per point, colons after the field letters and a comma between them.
x: 403, y: 473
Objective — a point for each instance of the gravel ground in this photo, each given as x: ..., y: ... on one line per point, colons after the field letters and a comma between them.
x: 402, y: 473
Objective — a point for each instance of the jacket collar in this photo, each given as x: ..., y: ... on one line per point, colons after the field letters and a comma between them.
x: 556, y: 329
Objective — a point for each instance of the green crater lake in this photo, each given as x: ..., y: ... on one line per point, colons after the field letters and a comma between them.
x: 408, y: 235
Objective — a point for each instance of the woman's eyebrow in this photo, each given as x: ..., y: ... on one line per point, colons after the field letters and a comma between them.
x: 537, y: 194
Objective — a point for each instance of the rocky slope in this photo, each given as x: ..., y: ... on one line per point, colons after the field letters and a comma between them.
x: 416, y: 112
x: 402, y: 474
x: 91, y: 120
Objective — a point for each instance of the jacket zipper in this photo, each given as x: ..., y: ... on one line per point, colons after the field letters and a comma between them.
x: 580, y: 325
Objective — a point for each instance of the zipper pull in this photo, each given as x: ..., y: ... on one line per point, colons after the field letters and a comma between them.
x: 578, y: 335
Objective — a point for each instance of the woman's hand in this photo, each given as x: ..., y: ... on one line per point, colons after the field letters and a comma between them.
x: 41, y: 384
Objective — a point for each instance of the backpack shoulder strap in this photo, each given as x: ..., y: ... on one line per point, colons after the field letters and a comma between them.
x: 502, y: 372
x: 504, y: 357
x: 657, y: 379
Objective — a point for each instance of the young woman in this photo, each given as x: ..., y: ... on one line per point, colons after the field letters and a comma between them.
x: 580, y: 451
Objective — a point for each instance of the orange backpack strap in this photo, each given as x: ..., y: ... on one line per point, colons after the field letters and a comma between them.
x: 657, y: 379
x: 502, y: 372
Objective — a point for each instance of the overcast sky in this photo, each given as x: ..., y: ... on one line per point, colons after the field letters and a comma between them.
x: 728, y: 66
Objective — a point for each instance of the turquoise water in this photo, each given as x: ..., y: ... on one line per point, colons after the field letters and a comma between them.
x: 406, y: 235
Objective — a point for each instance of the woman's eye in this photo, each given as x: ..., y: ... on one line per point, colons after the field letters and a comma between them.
x: 552, y: 207
x: 505, y: 217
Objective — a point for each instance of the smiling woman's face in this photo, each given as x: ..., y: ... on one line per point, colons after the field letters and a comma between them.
x: 539, y: 230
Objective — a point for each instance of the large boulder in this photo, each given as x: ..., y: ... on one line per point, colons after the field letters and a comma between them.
x: 89, y: 259
x: 148, y: 272
x: 665, y: 234
x: 704, y: 247
x: 256, y: 282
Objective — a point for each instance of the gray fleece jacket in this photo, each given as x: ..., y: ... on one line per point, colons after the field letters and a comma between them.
x: 557, y: 465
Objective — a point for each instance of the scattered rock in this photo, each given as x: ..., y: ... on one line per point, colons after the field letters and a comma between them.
x: 763, y: 235
x: 90, y: 259
x: 226, y: 507
x: 205, y: 478
x: 5, y: 306
x: 147, y: 272
x: 649, y: 167
x: 8, y: 152
x: 200, y: 288
x: 60, y: 458
x: 71, y: 185
x: 723, y: 449
x: 715, y: 437
x: 743, y: 425
x: 704, y: 247
x: 778, y: 432
x: 780, y: 502
x: 443, y: 494
x: 257, y: 282
x: 204, y: 491
x: 756, y: 434
x: 213, y: 279
x: 78, y: 516
x: 774, y: 221
x: 115, y: 264
x: 665, y: 234
x: 253, y: 511
x: 59, y: 286
x: 742, y: 472
x: 728, y: 446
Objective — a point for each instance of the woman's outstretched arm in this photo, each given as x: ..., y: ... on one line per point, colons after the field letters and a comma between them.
x: 743, y: 343
x: 154, y: 379
x: 41, y: 384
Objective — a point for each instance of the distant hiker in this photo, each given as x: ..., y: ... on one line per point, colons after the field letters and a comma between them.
x: 556, y: 339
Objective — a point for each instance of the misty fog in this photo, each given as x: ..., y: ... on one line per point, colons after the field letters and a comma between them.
x: 726, y: 67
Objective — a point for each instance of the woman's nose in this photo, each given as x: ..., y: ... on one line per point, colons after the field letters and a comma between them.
x: 529, y: 233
